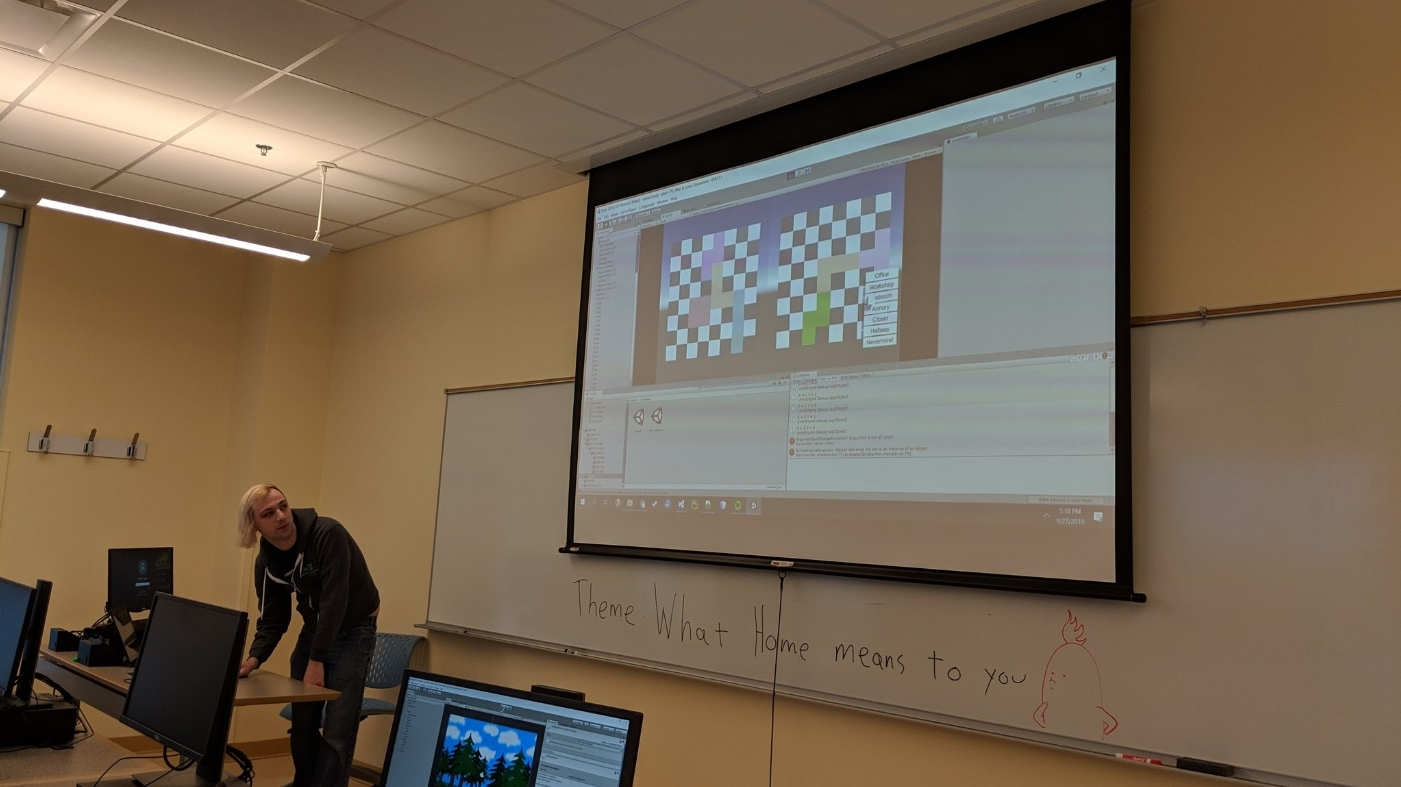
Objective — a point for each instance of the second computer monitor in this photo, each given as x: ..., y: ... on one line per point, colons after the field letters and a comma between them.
x: 15, y: 600
x: 449, y: 732
x: 33, y: 640
x: 135, y: 576
x: 183, y: 686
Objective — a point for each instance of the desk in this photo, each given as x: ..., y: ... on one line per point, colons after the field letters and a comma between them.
x: 105, y: 688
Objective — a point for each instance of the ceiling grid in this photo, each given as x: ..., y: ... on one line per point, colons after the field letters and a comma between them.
x: 432, y: 110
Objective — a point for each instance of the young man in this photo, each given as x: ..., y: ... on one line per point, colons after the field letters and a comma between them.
x: 314, y: 558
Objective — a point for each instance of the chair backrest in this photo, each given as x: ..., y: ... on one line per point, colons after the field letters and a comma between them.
x: 391, y: 658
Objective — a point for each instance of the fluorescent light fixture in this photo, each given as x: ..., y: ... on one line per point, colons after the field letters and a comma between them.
x: 172, y: 229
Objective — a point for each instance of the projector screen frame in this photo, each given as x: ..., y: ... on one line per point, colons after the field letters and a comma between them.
x: 1063, y: 43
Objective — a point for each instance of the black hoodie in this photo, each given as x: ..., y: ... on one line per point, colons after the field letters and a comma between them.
x: 326, y: 570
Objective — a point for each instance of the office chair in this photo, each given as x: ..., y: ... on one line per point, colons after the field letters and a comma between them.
x: 387, y: 665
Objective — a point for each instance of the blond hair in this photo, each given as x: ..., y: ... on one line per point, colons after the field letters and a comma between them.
x: 248, y: 510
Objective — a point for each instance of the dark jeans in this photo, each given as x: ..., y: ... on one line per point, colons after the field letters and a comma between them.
x: 322, y: 752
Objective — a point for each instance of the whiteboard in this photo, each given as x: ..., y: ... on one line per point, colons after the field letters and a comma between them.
x: 1267, y: 494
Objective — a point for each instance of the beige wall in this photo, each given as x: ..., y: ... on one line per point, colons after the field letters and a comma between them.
x: 1264, y: 168
x: 1265, y: 164
x: 124, y: 332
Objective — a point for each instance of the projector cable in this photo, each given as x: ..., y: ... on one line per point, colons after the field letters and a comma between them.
x: 777, y: 648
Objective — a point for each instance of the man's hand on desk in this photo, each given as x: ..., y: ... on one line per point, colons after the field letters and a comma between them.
x: 248, y: 666
x: 315, y: 674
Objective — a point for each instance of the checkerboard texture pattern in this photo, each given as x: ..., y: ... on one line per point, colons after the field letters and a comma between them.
x: 710, y: 280
x: 822, y: 254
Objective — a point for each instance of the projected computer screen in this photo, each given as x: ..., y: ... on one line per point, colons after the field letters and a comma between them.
x: 892, y: 348
x: 449, y: 732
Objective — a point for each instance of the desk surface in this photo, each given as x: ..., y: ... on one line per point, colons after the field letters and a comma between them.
x: 260, y: 688
x: 88, y: 758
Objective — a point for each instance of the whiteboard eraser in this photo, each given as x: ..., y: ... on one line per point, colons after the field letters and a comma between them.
x: 1205, y: 766
x: 781, y: 563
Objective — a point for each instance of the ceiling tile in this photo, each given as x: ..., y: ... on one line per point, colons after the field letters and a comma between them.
x: 634, y: 81
x: 893, y: 18
x: 374, y: 63
x: 156, y: 61
x: 235, y: 138
x: 468, y: 202
x: 354, y: 238
x: 69, y: 138
x: 303, y: 196
x: 533, y: 119
x: 177, y: 165
x: 278, y: 220
x: 536, y: 180
x: 827, y: 68
x: 754, y: 42
x: 356, y: 8
x: 510, y: 36
x: 323, y: 112
x: 18, y: 72
x: 116, y: 105
x: 607, y: 144
x: 47, y: 166
x: 171, y: 195
x: 623, y: 13
x: 705, y: 111
x: 405, y: 221
x: 452, y: 151
x: 380, y: 177
x: 978, y: 12
x: 276, y: 32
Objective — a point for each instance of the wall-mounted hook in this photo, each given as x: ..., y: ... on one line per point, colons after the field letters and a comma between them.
x: 87, y: 445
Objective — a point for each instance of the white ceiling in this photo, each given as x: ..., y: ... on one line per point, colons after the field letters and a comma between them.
x: 432, y: 109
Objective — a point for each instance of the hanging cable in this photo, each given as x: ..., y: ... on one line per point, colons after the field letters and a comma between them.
x: 778, y: 648
x: 321, y: 204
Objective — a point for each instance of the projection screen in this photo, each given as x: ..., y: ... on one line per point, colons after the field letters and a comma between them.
x: 893, y: 352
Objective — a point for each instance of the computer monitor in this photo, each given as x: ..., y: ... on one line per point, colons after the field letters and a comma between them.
x: 183, y: 687
x: 449, y: 732
x: 23, y: 687
x: 135, y: 576
x: 15, y: 600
